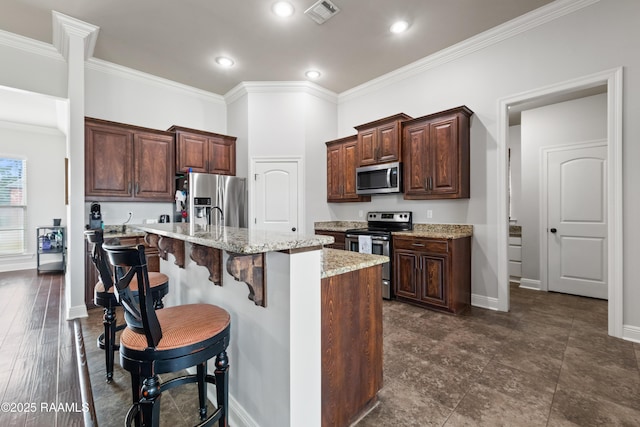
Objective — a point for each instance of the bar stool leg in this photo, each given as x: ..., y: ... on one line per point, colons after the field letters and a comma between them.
x: 150, y: 401
x: 109, y: 322
x: 222, y: 387
x: 202, y: 390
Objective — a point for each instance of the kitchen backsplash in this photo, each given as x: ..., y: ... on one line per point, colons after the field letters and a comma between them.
x: 115, y: 213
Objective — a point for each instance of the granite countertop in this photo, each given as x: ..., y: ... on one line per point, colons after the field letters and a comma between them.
x: 336, y: 261
x: 339, y: 226
x: 233, y: 239
x: 515, y: 231
x: 439, y: 231
x: 116, y: 231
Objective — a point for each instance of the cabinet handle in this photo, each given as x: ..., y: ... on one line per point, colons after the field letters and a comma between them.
x: 137, y: 187
x: 426, y: 183
x: 129, y: 188
x: 430, y: 183
x: 418, y: 244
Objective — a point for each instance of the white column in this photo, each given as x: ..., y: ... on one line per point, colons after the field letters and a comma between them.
x: 75, y: 40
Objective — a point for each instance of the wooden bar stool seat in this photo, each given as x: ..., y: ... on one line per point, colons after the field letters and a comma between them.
x: 168, y: 340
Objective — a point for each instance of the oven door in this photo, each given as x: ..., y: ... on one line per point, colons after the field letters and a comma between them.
x: 379, y: 246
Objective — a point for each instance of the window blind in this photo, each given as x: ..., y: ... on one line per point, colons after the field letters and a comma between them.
x: 13, y: 205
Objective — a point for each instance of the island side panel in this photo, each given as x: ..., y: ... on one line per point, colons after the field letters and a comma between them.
x: 274, y: 353
x: 351, y: 344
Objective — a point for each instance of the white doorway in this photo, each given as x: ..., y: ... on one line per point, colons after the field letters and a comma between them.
x: 613, y: 81
x: 276, y: 188
x: 574, y: 214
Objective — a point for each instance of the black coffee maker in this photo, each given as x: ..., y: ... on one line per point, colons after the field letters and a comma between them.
x: 95, y: 216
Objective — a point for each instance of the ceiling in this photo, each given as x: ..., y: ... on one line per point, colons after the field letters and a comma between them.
x: 179, y: 40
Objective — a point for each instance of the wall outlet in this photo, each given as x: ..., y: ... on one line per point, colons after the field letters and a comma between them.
x: 360, y: 214
x: 429, y: 213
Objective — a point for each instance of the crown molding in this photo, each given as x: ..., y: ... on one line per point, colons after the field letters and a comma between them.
x: 131, y: 74
x: 313, y: 89
x: 29, y: 45
x: 65, y: 26
x: 521, y: 24
x: 31, y: 128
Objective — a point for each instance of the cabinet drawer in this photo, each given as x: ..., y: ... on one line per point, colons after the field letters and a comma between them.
x: 515, y: 253
x: 515, y: 240
x: 515, y: 268
x: 422, y: 245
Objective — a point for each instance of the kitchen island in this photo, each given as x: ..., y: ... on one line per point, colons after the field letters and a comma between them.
x: 292, y: 320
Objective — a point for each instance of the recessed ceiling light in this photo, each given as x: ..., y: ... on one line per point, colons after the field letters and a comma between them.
x: 399, y: 27
x: 224, y: 61
x: 312, y: 74
x: 282, y: 8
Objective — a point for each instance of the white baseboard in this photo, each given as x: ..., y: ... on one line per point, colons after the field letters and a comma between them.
x: 77, y: 312
x: 631, y: 333
x: 530, y: 284
x: 484, y: 302
x: 238, y: 417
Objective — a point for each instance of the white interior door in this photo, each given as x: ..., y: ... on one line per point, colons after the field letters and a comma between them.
x: 577, y: 221
x: 276, y: 195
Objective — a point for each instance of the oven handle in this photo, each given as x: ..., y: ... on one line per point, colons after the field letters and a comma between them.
x: 373, y: 238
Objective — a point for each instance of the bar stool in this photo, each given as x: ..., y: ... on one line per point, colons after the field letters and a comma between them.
x: 168, y: 340
x: 103, y: 296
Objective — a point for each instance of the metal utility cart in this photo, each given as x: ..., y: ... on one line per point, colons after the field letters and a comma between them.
x: 52, y: 249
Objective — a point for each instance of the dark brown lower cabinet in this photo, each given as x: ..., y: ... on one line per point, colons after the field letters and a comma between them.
x: 339, y: 237
x: 351, y: 344
x: 91, y: 275
x: 433, y: 273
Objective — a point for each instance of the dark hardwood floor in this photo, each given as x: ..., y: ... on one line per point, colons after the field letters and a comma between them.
x: 39, y: 380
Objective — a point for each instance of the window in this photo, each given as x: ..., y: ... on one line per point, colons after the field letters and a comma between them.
x: 13, y: 205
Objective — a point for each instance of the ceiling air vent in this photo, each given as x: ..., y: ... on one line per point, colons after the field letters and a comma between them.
x: 321, y: 11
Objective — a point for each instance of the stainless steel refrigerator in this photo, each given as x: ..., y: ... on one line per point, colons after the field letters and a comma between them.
x: 217, y: 200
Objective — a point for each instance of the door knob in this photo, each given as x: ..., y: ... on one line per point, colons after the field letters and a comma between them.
x: 293, y: 229
x: 553, y: 230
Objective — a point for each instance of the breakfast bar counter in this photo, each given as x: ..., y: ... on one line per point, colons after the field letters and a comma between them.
x: 288, y: 347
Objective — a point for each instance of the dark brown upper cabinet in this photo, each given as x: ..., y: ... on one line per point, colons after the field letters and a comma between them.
x: 380, y: 141
x: 128, y: 163
x: 435, y: 155
x: 342, y: 160
x: 205, y: 152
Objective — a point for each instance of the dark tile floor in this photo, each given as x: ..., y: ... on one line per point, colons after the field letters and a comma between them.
x: 548, y: 362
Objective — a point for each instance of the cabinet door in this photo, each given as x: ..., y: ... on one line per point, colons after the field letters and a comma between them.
x: 416, y: 160
x: 406, y: 274
x: 348, y: 170
x: 108, y: 161
x: 192, y: 152
x: 334, y: 173
x: 433, y: 274
x: 443, y: 157
x: 367, y: 140
x: 388, y: 149
x: 154, y: 166
x: 222, y: 156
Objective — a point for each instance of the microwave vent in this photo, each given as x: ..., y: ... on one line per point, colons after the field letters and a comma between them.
x: 322, y: 10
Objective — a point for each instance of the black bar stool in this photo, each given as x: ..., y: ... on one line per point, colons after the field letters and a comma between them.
x: 103, y: 296
x: 168, y: 340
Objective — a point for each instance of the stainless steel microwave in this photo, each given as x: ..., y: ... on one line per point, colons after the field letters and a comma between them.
x: 379, y: 179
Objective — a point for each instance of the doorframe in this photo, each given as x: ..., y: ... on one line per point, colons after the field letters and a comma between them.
x: 613, y: 80
x: 252, y: 186
x: 544, y: 202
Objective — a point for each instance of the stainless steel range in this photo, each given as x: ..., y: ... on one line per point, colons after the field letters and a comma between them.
x: 377, y: 237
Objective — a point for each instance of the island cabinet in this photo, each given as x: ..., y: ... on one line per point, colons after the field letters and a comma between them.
x: 128, y: 163
x: 338, y: 236
x: 351, y: 340
x: 342, y: 160
x: 379, y: 141
x: 435, y: 153
x: 433, y: 273
x: 204, y: 152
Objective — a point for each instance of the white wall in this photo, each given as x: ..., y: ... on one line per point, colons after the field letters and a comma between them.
x: 554, y: 52
x: 44, y: 150
x: 515, y: 172
x: 571, y: 122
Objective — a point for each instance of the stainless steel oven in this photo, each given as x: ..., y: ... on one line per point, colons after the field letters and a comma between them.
x: 379, y: 228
